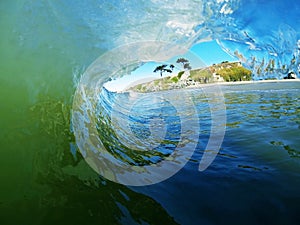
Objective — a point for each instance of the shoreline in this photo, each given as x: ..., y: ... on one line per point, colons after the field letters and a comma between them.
x: 221, y: 84
x: 243, y: 82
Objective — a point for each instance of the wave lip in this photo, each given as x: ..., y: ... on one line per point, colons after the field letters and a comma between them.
x: 265, y: 36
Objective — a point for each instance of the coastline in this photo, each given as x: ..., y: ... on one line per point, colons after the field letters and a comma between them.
x: 219, y: 83
x: 224, y: 73
x: 243, y: 82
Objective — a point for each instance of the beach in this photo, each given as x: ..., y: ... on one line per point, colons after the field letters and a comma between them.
x: 133, y: 88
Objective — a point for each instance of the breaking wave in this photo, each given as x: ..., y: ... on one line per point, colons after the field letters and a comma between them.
x: 263, y: 35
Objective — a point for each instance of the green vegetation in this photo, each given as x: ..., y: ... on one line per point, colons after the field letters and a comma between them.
x: 139, y: 87
x: 228, y: 71
x: 163, y: 68
x: 225, y: 71
x: 185, y: 63
x: 174, y: 79
x: 201, y: 75
x: 180, y: 74
x: 156, y: 82
x: 238, y: 73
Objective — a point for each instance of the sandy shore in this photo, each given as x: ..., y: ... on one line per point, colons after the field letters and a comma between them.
x: 242, y: 82
x: 225, y: 84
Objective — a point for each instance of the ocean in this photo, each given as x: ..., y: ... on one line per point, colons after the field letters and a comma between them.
x: 227, y: 155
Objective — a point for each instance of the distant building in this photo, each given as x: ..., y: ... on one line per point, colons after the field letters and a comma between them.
x: 217, y: 78
x: 291, y: 75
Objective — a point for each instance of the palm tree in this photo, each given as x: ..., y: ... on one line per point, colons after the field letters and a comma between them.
x: 163, y: 69
x: 187, y: 66
x: 172, y: 67
x: 185, y: 63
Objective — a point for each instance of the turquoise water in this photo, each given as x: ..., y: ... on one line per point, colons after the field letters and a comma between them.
x: 45, y: 48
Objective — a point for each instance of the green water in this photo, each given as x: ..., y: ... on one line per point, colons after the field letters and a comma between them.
x: 44, y: 179
x: 42, y: 182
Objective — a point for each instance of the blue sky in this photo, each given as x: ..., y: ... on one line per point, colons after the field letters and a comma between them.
x: 200, y: 55
x: 211, y: 52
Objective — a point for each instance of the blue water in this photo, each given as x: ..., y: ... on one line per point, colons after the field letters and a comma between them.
x: 255, y: 177
x: 68, y: 147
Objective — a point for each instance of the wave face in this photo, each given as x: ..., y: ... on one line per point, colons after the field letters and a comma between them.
x: 46, y: 44
x: 265, y: 36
